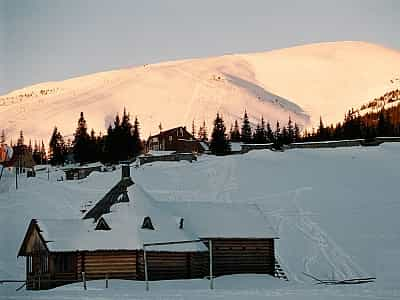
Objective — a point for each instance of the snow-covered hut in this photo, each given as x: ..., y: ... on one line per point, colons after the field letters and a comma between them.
x: 109, y: 241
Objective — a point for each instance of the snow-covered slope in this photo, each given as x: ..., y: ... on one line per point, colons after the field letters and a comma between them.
x: 305, y: 82
x: 335, y: 210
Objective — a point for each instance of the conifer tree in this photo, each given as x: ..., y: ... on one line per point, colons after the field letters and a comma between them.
x: 277, y: 135
x: 81, y: 142
x: 219, y: 142
x: 290, y: 131
x: 235, y: 134
x: 43, y: 153
x: 270, y: 134
x: 297, y: 136
x: 20, y: 140
x: 193, y: 128
x: 56, y: 147
x: 203, y: 134
x: 246, y: 129
x: 260, y: 135
x: 137, y: 142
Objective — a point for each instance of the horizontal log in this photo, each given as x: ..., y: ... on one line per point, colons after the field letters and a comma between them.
x: 108, y: 252
x: 114, y: 263
x: 110, y: 258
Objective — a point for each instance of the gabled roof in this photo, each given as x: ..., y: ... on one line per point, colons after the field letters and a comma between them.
x: 125, y: 220
x: 115, y: 195
x: 172, y: 131
x: 31, y: 227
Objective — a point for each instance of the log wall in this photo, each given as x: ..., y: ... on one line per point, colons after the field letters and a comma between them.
x: 114, y: 264
x: 235, y: 256
x: 172, y: 265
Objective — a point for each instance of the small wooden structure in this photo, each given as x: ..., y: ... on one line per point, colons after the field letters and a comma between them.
x: 146, y: 158
x: 109, y: 241
x: 176, y: 139
x: 22, y: 159
x: 76, y: 173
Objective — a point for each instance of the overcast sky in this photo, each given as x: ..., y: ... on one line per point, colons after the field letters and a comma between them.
x: 43, y: 40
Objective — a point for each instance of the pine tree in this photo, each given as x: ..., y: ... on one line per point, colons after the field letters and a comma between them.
x: 137, y: 142
x: 30, y: 150
x: 321, y: 130
x: 219, y: 142
x: 290, y: 131
x: 56, y: 147
x: 203, y: 135
x: 246, y: 129
x: 270, y: 134
x: 235, y: 134
x: 81, y: 142
x: 36, y: 153
x: 277, y: 134
x: 43, y: 154
x: 297, y: 136
x: 382, y: 124
x: 20, y: 140
x: 260, y: 135
x: 193, y: 129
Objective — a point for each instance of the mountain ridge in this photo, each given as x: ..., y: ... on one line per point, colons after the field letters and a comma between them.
x: 304, y: 82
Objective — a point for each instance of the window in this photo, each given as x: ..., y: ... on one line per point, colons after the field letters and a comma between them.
x: 44, y: 263
x: 64, y: 263
x: 29, y: 264
x: 170, y: 138
x: 102, y: 225
x: 147, y: 224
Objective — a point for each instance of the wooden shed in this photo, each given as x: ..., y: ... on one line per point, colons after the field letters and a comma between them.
x: 80, y: 172
x: 109, y: 241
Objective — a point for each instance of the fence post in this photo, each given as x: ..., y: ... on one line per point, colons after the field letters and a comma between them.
x: 211, y: 265
x: 146, y: 277
x: 106, y: 280
x: 84, y: 280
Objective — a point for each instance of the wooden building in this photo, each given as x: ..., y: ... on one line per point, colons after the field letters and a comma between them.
x: 109, y: 240
x: 176, y: 139
x: 80, y: 172
x: 21, y: 159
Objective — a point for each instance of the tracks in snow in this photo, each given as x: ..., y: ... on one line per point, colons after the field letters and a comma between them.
x: 323, y: 248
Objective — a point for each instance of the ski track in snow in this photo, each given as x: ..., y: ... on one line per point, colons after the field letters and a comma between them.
x: 323, y: 247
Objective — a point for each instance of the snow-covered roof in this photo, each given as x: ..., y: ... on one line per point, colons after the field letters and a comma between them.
x: 223, y: 220
x: 126, y: 232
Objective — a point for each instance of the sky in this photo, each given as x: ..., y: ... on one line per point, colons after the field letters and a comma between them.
x: 46, y: 40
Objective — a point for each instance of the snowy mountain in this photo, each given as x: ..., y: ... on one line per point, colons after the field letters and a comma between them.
x: 304, y: 82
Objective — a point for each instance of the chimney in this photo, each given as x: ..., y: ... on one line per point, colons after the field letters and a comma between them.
x: 126, y: 172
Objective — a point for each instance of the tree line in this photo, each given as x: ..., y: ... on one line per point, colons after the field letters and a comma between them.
x: 121, y: 143
x: 262, y: 134
x: 385, y: 122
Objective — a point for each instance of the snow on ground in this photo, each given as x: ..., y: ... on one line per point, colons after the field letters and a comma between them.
x: 335, y: 210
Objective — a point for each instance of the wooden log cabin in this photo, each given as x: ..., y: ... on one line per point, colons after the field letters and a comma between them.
x: 108, y: 241
x: 176, y: 139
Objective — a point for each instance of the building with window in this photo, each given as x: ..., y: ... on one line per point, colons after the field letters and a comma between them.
x: 176, y: 139
x: 109, y: 241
